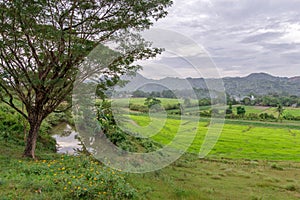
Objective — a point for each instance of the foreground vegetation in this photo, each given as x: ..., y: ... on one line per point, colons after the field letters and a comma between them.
x: 251, y: 160
x: 52, y: 176
x: 68, y: 177
x: 56, y: 176
x: 194, y: 178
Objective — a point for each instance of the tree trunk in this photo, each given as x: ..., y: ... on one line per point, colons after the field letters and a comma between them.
x: 31, y: 139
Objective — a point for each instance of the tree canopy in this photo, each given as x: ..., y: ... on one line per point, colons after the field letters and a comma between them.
x: 43, y: 42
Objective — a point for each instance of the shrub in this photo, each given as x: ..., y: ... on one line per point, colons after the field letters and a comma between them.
x: 205, y: 113
x: 252, y: 116
x: 12, y: 129
x: 275, y: 166
x: 175, y: 112
x: 240, y: 110
x: 266, y: 116
x: 172, y: 106
x: 118, y: 136
x: 290, y: 187
x: 297, y: 118
x: 204, y: 102
x: 139, y: 108
x: 289, y: 117
x: 228, y: 111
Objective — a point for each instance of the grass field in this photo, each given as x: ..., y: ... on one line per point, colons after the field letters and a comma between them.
x: 239, y: 141
x: 239, y: 138
x: 191, y: 178
x: 251, y: 160
x: 141, y: 101
x: 253, y: 109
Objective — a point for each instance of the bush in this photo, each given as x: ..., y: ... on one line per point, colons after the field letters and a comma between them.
x: 252, y: 116
x: 289, y: 117
x: 118, y: 136
x: 13, y: 125
x: 290, y: 187
x: 10, y: 120
x: 266, y: 116
x: 139, y: 108
x: 297, y: 118
x: 172, y: 106
x: 228, y: 111
x: 205, y: 113
x: 153, y: 103
x: 275, y: 166
x: 175, y: 112
x: 204, y: 102
x: 240, y: 111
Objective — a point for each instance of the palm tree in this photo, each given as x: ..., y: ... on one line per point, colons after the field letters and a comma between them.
x: 280, y: 110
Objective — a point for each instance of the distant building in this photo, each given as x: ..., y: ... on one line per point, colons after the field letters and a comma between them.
x: 295, y: 105
x: 240, y: 99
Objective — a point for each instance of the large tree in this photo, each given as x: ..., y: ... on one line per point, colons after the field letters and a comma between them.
x: 42, y: 43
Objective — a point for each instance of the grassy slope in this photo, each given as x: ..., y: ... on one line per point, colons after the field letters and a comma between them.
x: 187, y: 178
x: 222, y: 179
x: 52, y: 176
x: 56, y: 176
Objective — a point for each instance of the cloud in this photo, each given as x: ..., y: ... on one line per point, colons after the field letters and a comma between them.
x: 252, y: 34
x: 179, y: 66
x: 261, y: 37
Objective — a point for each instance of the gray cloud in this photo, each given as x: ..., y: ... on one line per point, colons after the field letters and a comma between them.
x: 262, y: 37
x: 242, y: 36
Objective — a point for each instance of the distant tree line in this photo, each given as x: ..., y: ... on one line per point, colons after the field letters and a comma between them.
x: 272, y: 100
x: 163, y: 94
x: 192, y: 94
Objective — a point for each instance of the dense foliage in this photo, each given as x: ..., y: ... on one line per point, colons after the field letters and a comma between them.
x: 13, y: 128
x: 118, y: 136
x: 273, y: 100
x: 44, y: 44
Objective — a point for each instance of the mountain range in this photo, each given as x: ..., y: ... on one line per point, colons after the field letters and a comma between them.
x: 256, y: 83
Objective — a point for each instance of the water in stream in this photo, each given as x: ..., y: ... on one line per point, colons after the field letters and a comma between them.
x: 66, y: 138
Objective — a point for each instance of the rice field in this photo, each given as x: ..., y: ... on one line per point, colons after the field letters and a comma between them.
x: 236, y: 141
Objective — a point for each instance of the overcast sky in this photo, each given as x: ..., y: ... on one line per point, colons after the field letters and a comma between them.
x: 241, y: 36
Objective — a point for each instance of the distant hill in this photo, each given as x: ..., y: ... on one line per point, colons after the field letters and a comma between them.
x: 256, y: 83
